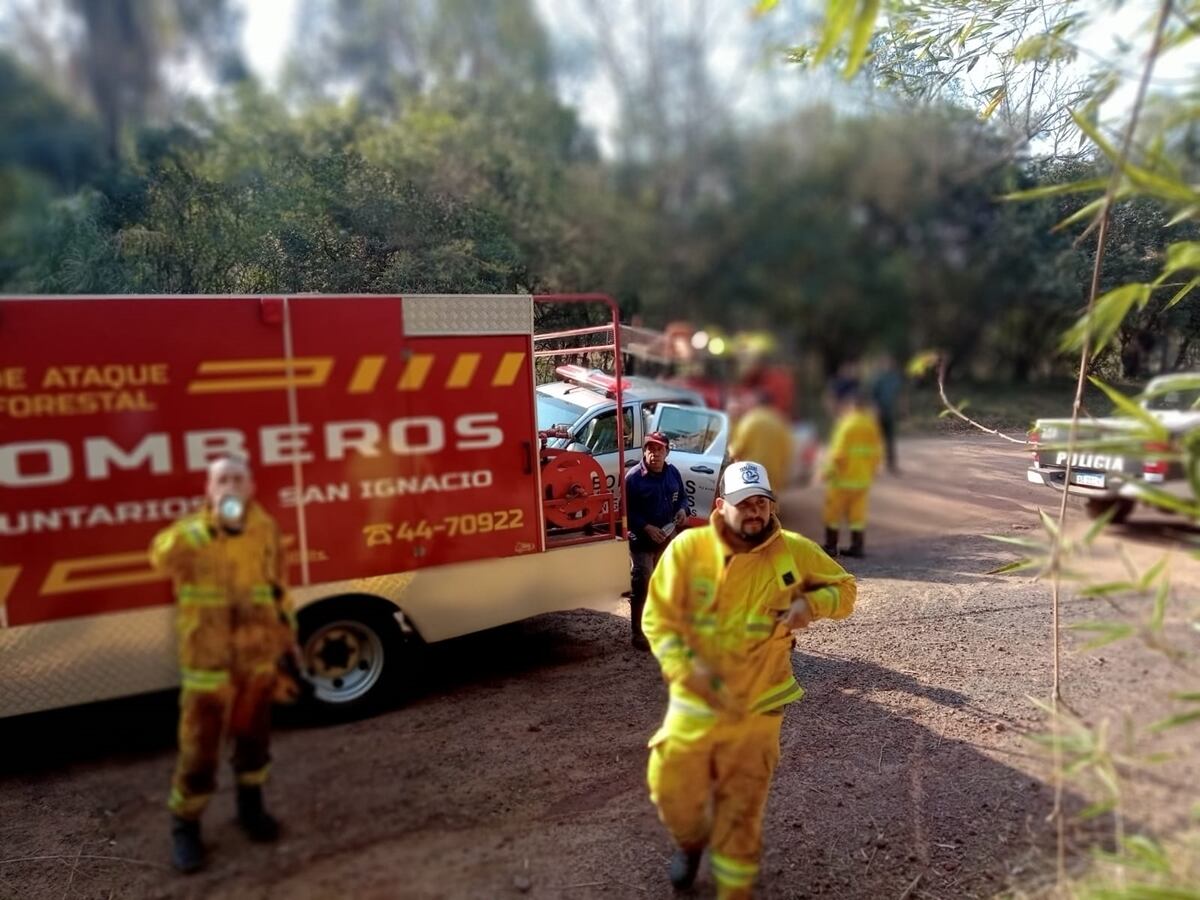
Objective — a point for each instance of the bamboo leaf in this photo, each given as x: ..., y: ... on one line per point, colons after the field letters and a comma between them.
x: 1184, y: 255
x: 1099, y: 525
x: 837, y: 19
x: 1163, y: 499
x: 1034, y: 543
x: 1160, y: 605
x: 1176, y: 720
x: 1183, y: 292
x: 1158, y: 185
x: 1106, y: 633
x: 1151, y: 574
x: 1017, y: 566
x: 1098, y: 808
x: 1048, y: 523
x: 1056, y: 190
x: 1130, y: 407
x: 1094, y: 134
x: 860, y: 39
x: 1106, y: 316
x: 1188, y: 696
x: 1109, y: 777
x: 762, y: 7
x: 1087, y: 212
x: 1109, y: 587
x: 997, y: 98
x: 1183, y: 215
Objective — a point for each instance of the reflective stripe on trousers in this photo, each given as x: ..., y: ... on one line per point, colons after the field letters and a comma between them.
x: 212, y: 705
x: 730, y: 767
x: 845, y: 504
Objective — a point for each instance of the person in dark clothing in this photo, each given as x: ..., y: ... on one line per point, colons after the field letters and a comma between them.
x: 886, y: 388
x: 657, y: 504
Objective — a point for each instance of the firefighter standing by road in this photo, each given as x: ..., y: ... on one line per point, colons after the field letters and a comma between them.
x: 722, y: 607
x: 657, y: 501
x: 761, y: 433
x: 853, y: 457
x: 234, y: 624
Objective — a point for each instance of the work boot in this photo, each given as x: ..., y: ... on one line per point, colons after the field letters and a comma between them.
x: 856, y: 544
x: 831, y: 539
x: 684, y: 866
x: 635, y: 625
x: 258, y: 824
x: 187, y: 850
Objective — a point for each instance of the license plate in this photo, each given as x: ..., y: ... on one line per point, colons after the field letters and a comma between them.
x: 1089, y: 479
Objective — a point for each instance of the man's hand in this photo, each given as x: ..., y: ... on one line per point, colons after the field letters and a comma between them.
x: 799, y: 614
x: 703, y: 682
x: 680, y: 518
x: 655, y: 534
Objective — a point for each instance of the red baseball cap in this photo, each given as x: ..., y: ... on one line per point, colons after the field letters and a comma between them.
x: 657, y: 437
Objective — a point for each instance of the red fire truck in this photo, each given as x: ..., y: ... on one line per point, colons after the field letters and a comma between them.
x: 394, y: 439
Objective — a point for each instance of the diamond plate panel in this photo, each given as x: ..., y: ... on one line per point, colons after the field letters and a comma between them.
x: 390, y: 587
x: 90, y: 658
x: 451, y: 314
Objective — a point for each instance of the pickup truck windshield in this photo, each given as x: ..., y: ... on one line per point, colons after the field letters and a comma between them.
x: 552, y: 411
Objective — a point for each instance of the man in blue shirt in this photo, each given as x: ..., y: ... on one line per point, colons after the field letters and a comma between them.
x: 657, y: 509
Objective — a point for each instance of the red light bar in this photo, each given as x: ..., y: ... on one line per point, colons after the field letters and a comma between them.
x: 592, y: 378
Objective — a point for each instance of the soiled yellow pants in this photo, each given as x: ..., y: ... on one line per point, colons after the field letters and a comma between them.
x: 243, y: 710
x: 846, y: 505
x: 713, y: 791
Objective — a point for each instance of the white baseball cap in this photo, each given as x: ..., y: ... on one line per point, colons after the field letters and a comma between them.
x: 745, y: 479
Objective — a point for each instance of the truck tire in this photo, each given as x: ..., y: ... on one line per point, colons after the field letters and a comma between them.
x: 1097, y: 507
x: 354, y: 655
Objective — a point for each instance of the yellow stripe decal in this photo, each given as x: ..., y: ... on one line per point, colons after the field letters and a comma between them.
x: 415, y: 372
x: 509, y: 368
x: 463, y: 371
x: 366, y: 374
x: 260, y: 374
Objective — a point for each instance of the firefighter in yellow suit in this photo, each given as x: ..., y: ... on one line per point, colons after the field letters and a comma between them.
x: 234, y: 624
x: 764, y: 435
x: 854, y: 454
x: 723, y: 603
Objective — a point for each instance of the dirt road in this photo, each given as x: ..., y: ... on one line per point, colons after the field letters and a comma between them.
x: 517, y: 769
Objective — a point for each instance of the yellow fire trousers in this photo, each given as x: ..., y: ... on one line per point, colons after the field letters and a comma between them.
x: 713, y: 791
x: 241, y: 709
x: 845, y: 505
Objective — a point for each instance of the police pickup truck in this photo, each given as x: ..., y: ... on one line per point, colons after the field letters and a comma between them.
x: 1113, y: 460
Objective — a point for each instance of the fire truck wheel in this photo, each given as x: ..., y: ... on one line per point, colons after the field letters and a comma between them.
x: 353, y: 655
x: 1098, y: 507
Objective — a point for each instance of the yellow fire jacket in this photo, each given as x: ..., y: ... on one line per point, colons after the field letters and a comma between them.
x: 854, y: 451
x: 763, y: 436
x: 234, y: 617
x: 724, y: 608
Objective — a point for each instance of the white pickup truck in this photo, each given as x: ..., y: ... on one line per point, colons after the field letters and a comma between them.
x: 1113, y: 460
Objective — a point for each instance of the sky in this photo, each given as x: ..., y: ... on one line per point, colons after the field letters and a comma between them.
x: 270, y: 26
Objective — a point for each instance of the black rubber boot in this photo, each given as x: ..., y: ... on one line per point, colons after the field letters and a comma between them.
x: 831, y: 539
x: 684, y: 866
x: 856, y: 544
x: 635, y: 624
x: 187, y: 850
x: 258, y: 824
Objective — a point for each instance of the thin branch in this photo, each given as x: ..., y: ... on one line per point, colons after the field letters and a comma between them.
x: 941, y: 382
x: 1114, y: 183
